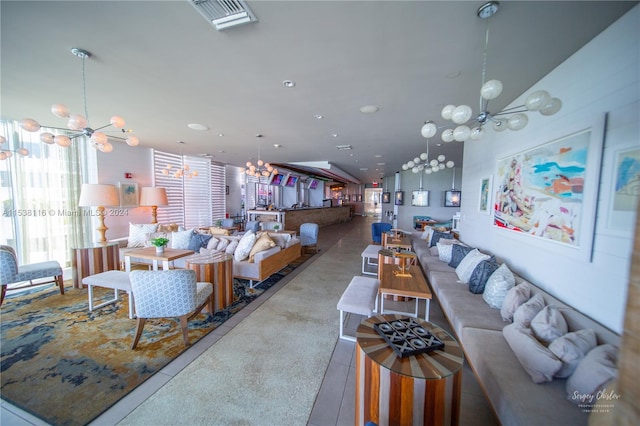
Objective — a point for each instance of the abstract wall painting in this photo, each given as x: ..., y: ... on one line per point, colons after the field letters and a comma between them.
x: 128, y: 194
x: 485, y: 195
x: 540, y: 192
x: 627, y: 180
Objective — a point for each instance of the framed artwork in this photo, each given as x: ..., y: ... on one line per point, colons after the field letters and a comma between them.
x: 420, y: 198
x: 399, y: 198
x: 625, y: 191
x: 386, y: 197
x: 359, y: 198
x: 346, y: 198
x: 550, y: 192
x: 226, y: 189
x: 452, y: 198
x: 128, y: 194
x: 484, y: 202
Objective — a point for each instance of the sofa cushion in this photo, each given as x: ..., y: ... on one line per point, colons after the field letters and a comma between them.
x: 213, y: 243
x: 593, y: 374
x: 458, y: 252
x: 468, y: 264
x: 263, y: 243
x: 231, y: 248
x: 498, y: 284
x: 219, y: 231
x: 198, y: 241
x: 138, y: 233
x: 528, y: 310
x: 244, y: 246
x: 514, y: 298
x: 481, y: 274
x: 571, y: 348
x: 439, y: 235
x: 549, y: 324
x: 180, y: 239
x: 223, y: 244
x: 535, y: 358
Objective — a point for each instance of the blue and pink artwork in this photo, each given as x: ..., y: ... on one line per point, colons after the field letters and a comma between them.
x: 540, y: 192
x: 627, y: 180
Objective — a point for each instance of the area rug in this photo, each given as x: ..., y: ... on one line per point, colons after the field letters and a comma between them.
x: 67, y: 365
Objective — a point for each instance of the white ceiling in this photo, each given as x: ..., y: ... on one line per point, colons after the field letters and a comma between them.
x: 161, y: 66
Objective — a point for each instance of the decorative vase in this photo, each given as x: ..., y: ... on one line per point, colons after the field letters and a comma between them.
x: 159, y: 249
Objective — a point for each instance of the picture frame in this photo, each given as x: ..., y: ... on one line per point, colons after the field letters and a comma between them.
x: 386, y: 197
x: 625, y: 189
x: 452, y: 198
x: 359, y: 198
x: 484, y: 196
x: 399, y: 198
x: 420, y: 198
x: 226, y: 190
x: 347, y: 197
x: 128, y: 194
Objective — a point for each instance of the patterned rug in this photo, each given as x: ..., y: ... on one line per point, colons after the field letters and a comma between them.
x: 67, y: 365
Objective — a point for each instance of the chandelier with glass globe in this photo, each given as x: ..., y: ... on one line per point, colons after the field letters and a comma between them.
x: 422, y: 162
x: 260, y: 168
x: 472, y: 127
x: 77, y: 124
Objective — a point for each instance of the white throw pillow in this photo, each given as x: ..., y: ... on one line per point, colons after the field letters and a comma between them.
x: 180, y: 240
x: 244, y: 246
x: 426, y: 235
x: 444, y: 251
x: 571, y: 348
x: 213, y: 243
x: 468, y: 264
x: 528, y: 310
x: 549, y: 324
x: 498, y: 284
x: 593, y: 374
x: 514, y: 298
x: 223, y: 244
x: 231, y: 248
x: 138, y: 233
x: 537, y: 360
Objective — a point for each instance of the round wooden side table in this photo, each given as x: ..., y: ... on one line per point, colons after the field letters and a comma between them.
x: 89, y: 258
x: 415, y: 389
x: 216, y: 268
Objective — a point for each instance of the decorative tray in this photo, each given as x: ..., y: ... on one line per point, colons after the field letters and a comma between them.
x: 406, y: 337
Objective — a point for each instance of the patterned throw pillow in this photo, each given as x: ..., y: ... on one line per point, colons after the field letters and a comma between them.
x: 444, y: 251
x: 481, y: 274
x: 498, y: 284
x: 138, y: 233
x: 180, y: 240
x: 468, y: 264
x: 198, y: 241
x: 458, y: 252
x: 437, y: 236
x: 244, y: 246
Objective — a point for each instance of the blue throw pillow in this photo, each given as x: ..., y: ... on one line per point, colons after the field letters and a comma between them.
x: 439, y: 235
x: 481, y: 274
x: 198, y: 241
x: 458, y: 253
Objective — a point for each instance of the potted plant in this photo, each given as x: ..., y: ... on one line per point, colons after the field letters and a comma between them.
x: 276, y: 227
x: 218, y: 223
x: 160, y: 243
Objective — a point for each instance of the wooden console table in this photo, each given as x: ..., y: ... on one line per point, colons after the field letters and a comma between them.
x: 418, y: 389
x: 91, y: 259
x: 217, y: 269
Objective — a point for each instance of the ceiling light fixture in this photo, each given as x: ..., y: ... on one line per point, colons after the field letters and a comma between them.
x: 462, y: 115
x: 369, y: 109
x: 79, y: 124
x: 289, y: 83
x: 422, y: 162
x: 8, y: 153
x: 261, y: 168
x: 197, y: 126
x: 180, y: 172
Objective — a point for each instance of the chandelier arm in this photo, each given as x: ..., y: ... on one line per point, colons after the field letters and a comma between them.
x: 512, y: 110
x: 102, y: 127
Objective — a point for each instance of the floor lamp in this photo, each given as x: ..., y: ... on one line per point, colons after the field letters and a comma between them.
x: 153, y: 197
x: 97, y: 195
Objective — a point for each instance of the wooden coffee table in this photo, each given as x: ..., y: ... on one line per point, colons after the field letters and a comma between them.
x: 390, y: 241
x: 413, y: 286
x: 150, y: 253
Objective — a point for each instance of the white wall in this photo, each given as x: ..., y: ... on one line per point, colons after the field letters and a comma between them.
x: 111, y: 169
x: 602, y: 77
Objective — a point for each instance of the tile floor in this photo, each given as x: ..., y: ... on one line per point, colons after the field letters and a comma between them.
x: 334, y: 403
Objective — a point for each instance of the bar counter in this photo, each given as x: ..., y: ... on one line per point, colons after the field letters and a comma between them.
x: 293, y: 218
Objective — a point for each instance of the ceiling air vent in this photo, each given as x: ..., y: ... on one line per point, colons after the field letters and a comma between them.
x: 343, y: 147
x: 224, y: 13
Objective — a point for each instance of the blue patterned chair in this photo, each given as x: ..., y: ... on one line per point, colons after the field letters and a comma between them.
x: 309, y: 236
x: 377, y: 229
x: 11, y: 273
x: 172, y: 293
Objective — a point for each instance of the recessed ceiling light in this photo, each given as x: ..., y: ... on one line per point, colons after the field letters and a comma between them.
x: 343, y: 147
x: 378, y: 155
x: 289, y: 83
x: 319, y: 116
x: 369, y: 109
x: 363, y: 169
x: 221, y: 134
x: 335, y: 135
x: 221, y: 151
x: 453, y: 74
x: 380, y: 164
x: 276, y: 145
x: 196, y: 126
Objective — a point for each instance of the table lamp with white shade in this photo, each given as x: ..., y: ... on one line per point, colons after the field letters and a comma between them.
x: 98, y: 195
x: 153, y: 197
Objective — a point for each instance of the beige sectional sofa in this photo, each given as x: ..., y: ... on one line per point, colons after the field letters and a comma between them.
x: 515, y: 398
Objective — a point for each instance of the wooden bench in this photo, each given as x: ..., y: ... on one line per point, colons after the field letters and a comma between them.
x: 360, y: 297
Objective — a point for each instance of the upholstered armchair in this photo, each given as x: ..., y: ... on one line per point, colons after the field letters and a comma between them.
x: 377, y: 229
x: 252, y: 225
x: 227, y: 223
x: 309, y: 236
x: 11, y: 273
x: 172, y: 293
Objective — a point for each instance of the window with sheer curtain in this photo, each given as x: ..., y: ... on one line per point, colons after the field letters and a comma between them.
x: 39, y: 193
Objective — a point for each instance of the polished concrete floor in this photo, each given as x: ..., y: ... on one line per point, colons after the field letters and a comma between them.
x: 335, y: 401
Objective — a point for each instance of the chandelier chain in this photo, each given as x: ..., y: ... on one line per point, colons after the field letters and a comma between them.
x: 84, y: 89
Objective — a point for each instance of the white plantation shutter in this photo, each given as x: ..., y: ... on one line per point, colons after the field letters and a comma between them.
x: 197, y: 193
x: 173, y: 213
x: 218, y: 191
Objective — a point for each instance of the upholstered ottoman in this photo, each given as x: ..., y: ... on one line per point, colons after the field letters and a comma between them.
x: 117, y: 280
x: 371, y: 252
x: 360, y: 297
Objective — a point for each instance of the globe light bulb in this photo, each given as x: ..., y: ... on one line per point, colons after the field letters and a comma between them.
x: 450, y: 164
x: 23, y: 151
x: 476, y: 133
x: 517, y: 121
x: 410, y: 164
x: 30, y: 125
x: 47, y: 137
x: 132, y: 141
x: 447, y: 111
x: 77, y: 122
x: 428, y: 130
x: 416, y: 160
x: 491, y: 89
x: 447, y: 135
x: 405, y: 167
x: 551, y: 107
x: 60, y: 110
x: 99, y: 138
x: 106, y: 148
x: 62, y: 140
x: 424, y: 156
x: 461, y: 133
x: 428, y: 171
x: 441, y: 157
x: 461, y: 114
x: 117, y: 121
x: 499, y: 126
x: 537, y: 100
